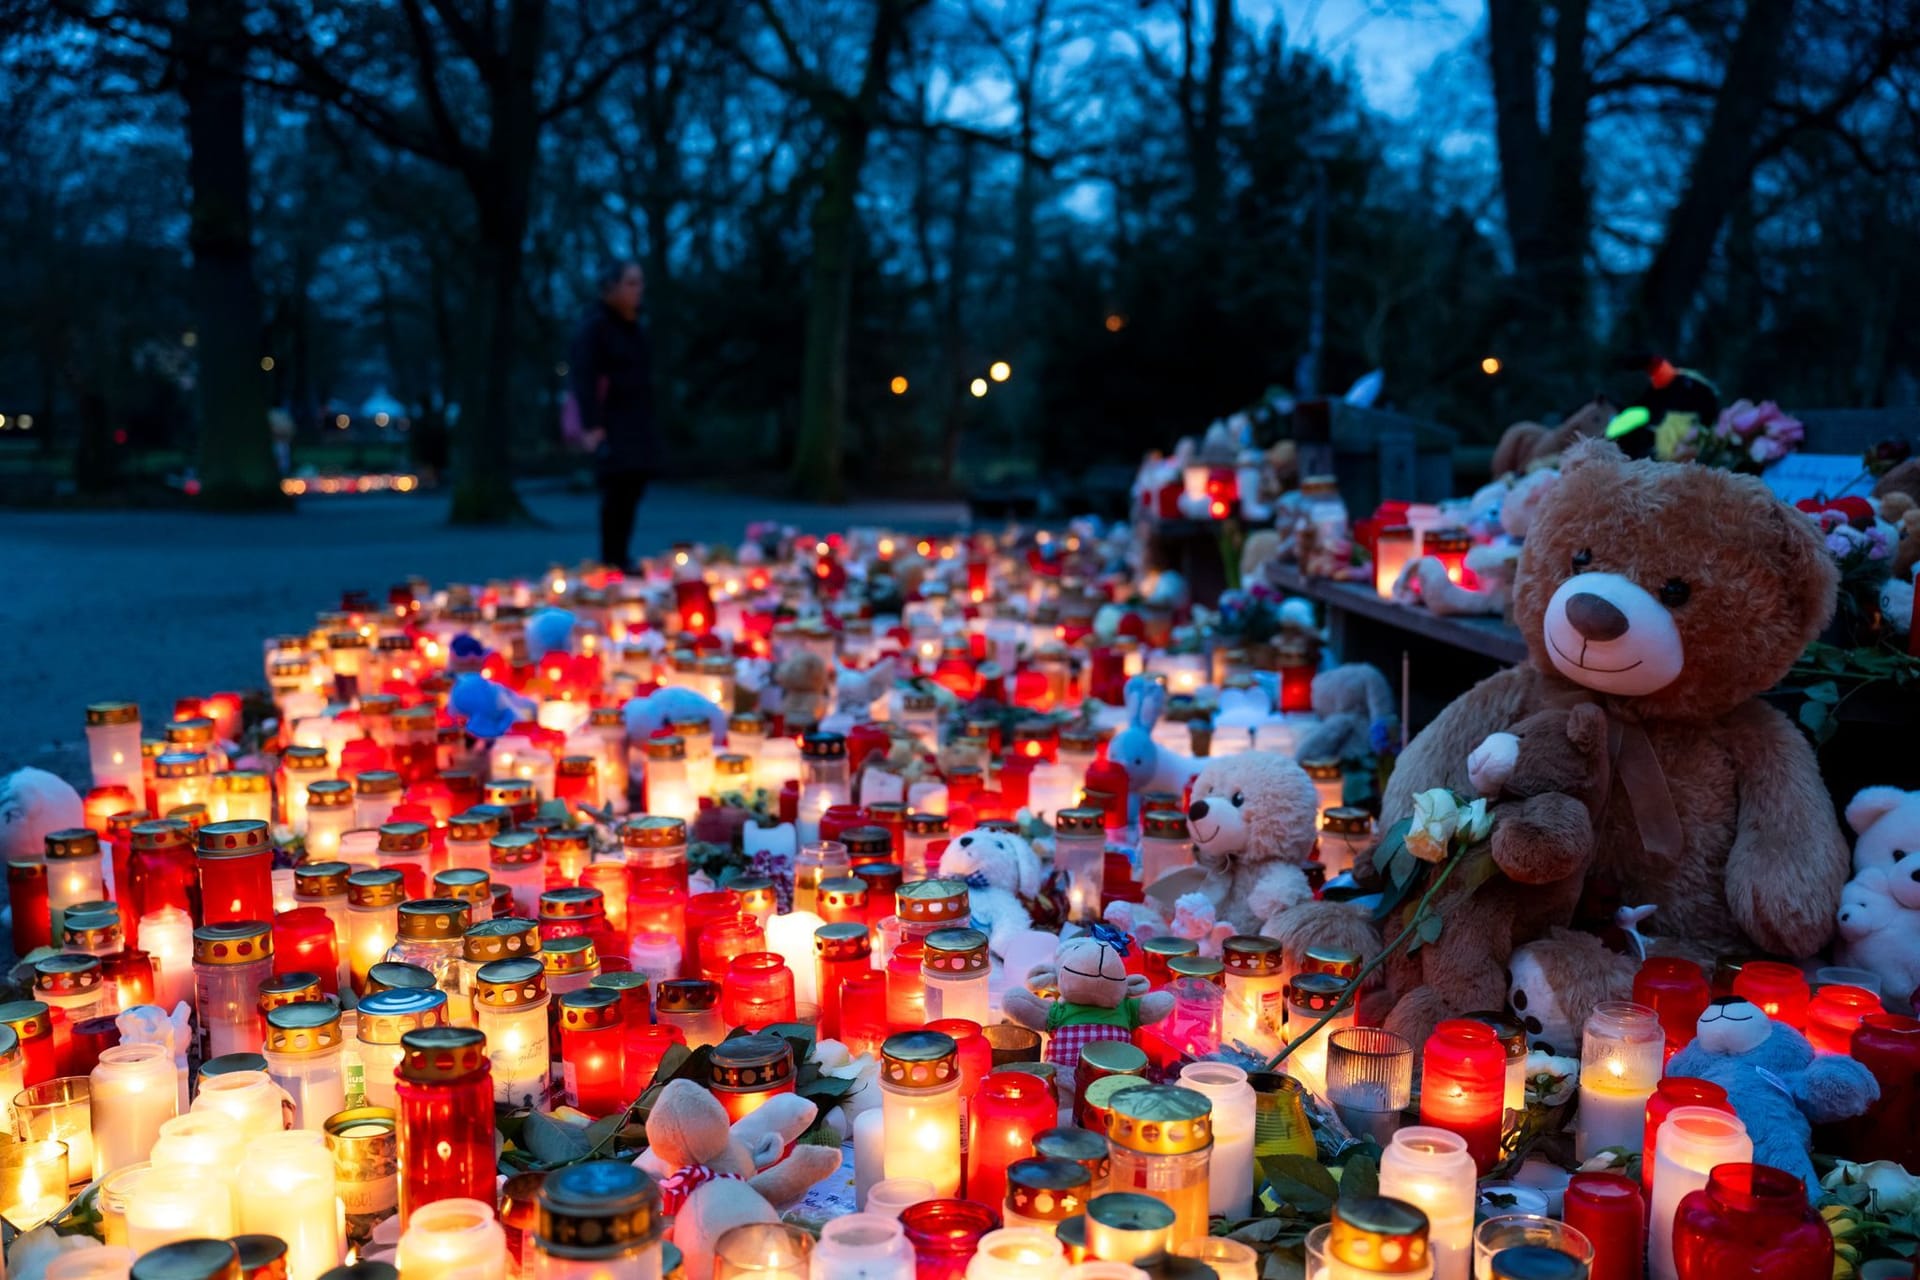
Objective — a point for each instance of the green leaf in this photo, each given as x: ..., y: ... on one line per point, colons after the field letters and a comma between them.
x: 553, y: 1143
x: 1284, y: 1265
x: 1300, y: 1181
x: 1360, y: 1178
x: 1257, y: 1231
x: 1826, y: 691
x: 826, y: 1089
x: 1430, y: 928
x: 1815, y: 715
x: 602, y: 1130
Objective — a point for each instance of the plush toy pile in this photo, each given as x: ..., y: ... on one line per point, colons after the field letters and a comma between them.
x: 799, y: 848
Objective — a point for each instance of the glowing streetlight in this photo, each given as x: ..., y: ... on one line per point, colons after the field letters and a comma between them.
x: 978, y: 387
x: 898, y: 386
x: 189, y: 339
x: 1490, y: 365
x: 1116, y: 322
x: 999, y: 371
x: 341, y: 421
x: 266, y: 364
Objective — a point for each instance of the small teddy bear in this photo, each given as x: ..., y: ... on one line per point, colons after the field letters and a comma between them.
x: 1778, y: 1087
x: 856, y: 690
x: 714, y: 1177
x: 1880, y: 932
x: 1003, y: 875
x: 646, y: 716
x: 1099, y: 999
x: 1555, y: 982
x: 1350, y: 700
x: 803, y: 679
x: 34, y: 804
x: 1887, y: 821
x: 1253, y: 817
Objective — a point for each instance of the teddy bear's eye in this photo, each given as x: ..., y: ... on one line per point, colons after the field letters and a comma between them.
x: 1238, y: 799
x: 1582, y: 558
x: 1675, y: 593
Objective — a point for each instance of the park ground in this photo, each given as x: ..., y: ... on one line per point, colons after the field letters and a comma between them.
x: 149, y: 605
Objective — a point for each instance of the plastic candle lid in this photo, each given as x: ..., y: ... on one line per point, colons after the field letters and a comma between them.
x: 1379, y: 1234
x: 509, y: 984
x: 189, y: 1260
x: 504, y: 938
x: 597, y: 1209
x: 1160, y: 1119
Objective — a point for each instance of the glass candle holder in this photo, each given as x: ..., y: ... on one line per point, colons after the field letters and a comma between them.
x: 646, y: 1048
x: 365, y: 1149
x: 920, y: 1104
x: 1433, y: 1171
x: 862, y: 1246
x: 1750, y: 1219
x: 1230, y: 1172
x: 817, y: 862
x: 759, y: 991
x: 329, y: 813
x: 1676, y: 990
x: 286, y: 1190
x: 446, y: 1118
x: 1256, y: 987
x: 1693, y: 1142
x: 133, y: 1091
x: 1607, y: 1209
x: 429, y: 935
x: 1888, y: 1045
x: 305, y: 1056
x: 1199, y: 1012
x: 704, y: 912
x: 863, y: 1012
x: 1370, y: 1079
x: 1311, y: 997
x: 841, y: 951
x: 1080, y: 853
x: 592, y: 1051
x: 1162, y: 1139
x: 230, y: 961
x: 1621, y: 1058
x: 59, y: 1110
x: 762, y: 1251
x: 1835, y: 1012
x: 1779, y: 989
x: 113, y: 745
x: 746, y: 1071
x: 510, y: 1009
x: 247, y: 1100
x: 1514, y: 1230
x: 1229, y: 1259
x: 595, y: 1221
x: 1123, y: 1227
x: 1372, y: 1237
x: 517, y: 860
x: 162, y: 1210
x: 945, y: 1233
x: 954, y: 973
x: 31, y: 1021
x: 235, y: 862
x: 691, y: 1005
x: 1017, y: 1253
x: 1671, y: 1093
x: 456, y: 1236
x: 1463, y: 1086
x: 1004, y: 1115
x: 373, y: 919
x: 654, y: 846
x: 33, y: 1181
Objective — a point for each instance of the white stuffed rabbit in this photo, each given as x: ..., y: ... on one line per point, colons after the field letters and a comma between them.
x: 1149, y: 766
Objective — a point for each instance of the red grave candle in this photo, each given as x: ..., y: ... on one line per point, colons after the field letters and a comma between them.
x: 657, y: 909
x: 1674, y: 1091
x: 1750, y: 1220
x: 32, y: 912
x: 610, y: 878
x: 758, y: 991
x: 645, y: 1048
x: 1607, y: 1209
x: 1835, y: 1012
x: 842, y: 952
x: 1009, y: 1110
x: 1888, y: 1045
x: 1779, y: 989
x: 694, y: 601
x: 883, y: 884
x: 131, y: 973
x: 32, y: 1021
x: 1463, y: 1086
x: 102, y: 803
x: 906, y: 990
x: 593, y: 1050
x: 721, y: 941
x: 1296, y: 686
x: 164, y: 874
x: 304, y: 941
x: 843, y: 900
x: 863, y: 1012
x: 445, y: 1125
x: 945, y: 1234
x: 1677, y: 991
x: 1110, y: 780
x: 120, y: 836
x: 703, y: 911
x: 839, y: 818
x: 571, y: 912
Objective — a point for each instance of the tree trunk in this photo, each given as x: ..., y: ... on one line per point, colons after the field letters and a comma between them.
x: 1720, y: 173
x: 236, y: 463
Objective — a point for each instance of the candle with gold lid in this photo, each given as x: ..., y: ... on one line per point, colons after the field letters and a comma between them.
x: 1370, y: 1236
x: 93, y: 929
x: 407, y: 847
x: 920, y: 1106
x: 264, y: 1257
x: 235, y: 864
x: 304, y: 1052
x: 181, y: 778
x: 1166, y: 843
x: 230, y: 962
x: 692, y: 1005
x: 510, y: 1008
x: 592, y: 1050
x: 373, y: 919
x: 507, y: 938
x: 468, y: 835
x: 324, y: 885
x: 113, y: 745
x: 396, y: 975
x: 954, y: 968
x: 1041, y: 1193
x: 757, y: 898
x: 921, y: 830
x: 842, y: 951
x: 294, y: 987
x: 1345, y: 833
x: 1310, y: 997
x: 571, y: 963
x: 597, y: 1220
x: 446, y: 1118
x: 1256, y: 986
x: 300, y: 768
x: 1162, y: 1138
x: 817, y: 862
x: 329, y: 813
x: 468, y: 885
x: 746, y: 1071
x: 1080, y: 853
x: 1329, y: 785
x: 73, y: 871
x: 188, y: 1259
x: 1126, y: 1226
x: 842, y: 900
x: 70, y: 982
x: 365, y: 1153
x: 924, y: 906
x: 567, y: 850
x: 429, y: 935
x: 654, y: 846
x: 1083, y: 1146
x: 517, y: 859
x: 1158, y: 953
x: 241, y: 794
x: 571, y: 910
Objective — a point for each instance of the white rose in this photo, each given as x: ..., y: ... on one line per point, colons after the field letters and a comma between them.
x: 829, y: 1054
x: 1436, y: 816
x: 864, y: 1071
x: 1476, y: 823
x: 1895, y: 1191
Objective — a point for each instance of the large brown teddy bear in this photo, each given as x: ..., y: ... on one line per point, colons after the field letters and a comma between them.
x: 1671, y: 595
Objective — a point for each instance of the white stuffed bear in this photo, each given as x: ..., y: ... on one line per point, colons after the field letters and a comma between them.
x: 647, y: 715
x: 34, y: 804
x: 1887, y: 821
x: 1880, y: 933
x: 855, y: 691
x: 1002, y: 872
x: 1254, y: 824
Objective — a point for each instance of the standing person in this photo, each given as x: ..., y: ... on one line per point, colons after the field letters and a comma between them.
x: 612, y: 377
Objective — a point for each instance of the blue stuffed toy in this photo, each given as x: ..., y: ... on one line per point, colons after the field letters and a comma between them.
x: 489, y: 709
x: 549, y: 631
x: 1778, y: 1086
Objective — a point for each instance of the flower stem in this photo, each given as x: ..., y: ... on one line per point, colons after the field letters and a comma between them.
x: 1367, y: 970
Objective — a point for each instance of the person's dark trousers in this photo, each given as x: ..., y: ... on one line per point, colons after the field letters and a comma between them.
x: 620, y: 494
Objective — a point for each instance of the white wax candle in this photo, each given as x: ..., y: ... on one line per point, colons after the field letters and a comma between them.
x: 254, y: 1104
x: 1621, y: 1058
x: 1230, y: 1170
x: 163, y: 1207
x: 894, y: 1196
x: 167, y: 936
x: 1018, y: 1253
x: 1609, y: 1117
x: 1432, y: 1171
x: 862, y: 1246
x: 133, y: 1093
x: 869, y: 1154
x: 1691, y: 1142
x: 454, y: 1237
x: 287, y: 1190
x: 791, y: 938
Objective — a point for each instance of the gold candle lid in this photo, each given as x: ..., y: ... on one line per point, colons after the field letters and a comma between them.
x: 871, y: 843
x: 1168, y: 945
x: 515, y: 849
x: 307, y: 1027
x: 576, y: 767
x: 1116, y: 1220
x: 956, y: 953
x: 666, y: 747
x: 397, y: 975
x: 437, y: 1054
x: 510, y: 984
x: 236, y: 942
x: 1160, y: 1119
x: 1082, y: 1146
x: 474, y: 824
x: 236, y: 839
x: 558, y: 840
x: 194, y: 731
x: 926, y: 824
x: 161, y: 833
x: 113, y: 713
x: 750, y: 1064
x: 1347, y: 820
x: 589, y: 1009
x: 756, y: 892
x: 321, y: 879
x: 747, y: 722
x: 1252, y: 956
x: 298, y: 987
x: 434, y: 919
x: 242, y: 782
x: 28, y: 1019
x: 686, y: 995
x: 329, y: 793
x: 380, y: 782
x: 843, y: 893
x: 304, y: 759
x: 731, y: 764
x: 1202, y: 967
x: 598, y: 1209
x: 66, y: 974
x: 262, y: 1257
x: 919, y: 1060
x: 1096, y: 1099
x: 194, y: 815
x: 387, y: 1016
x: 569, y: 955
x: 1315, y: 992
x: 1080, y: 822
x: 189, y: 1260
x: 1115, y: 1058
x: 606, y: 718
x: 1047, y: 1190
x: 1379, y: 1234
x: 1321, y: 769
x: 823, y: 746
x: 506, y: 938
x: 464, y: 884
x: 844, y: 941
x: 180, y: 764
x: 691, y: 726
x: 653, y: 831
x: 572, y: 902
x: 382, y: 887
x: 1165, y: 824
x: 508, y: 791
x: 98, y: 930
x: 73, y: 842
x: 404, y: 837
x: 1335, y: 960
x: 932, y: 902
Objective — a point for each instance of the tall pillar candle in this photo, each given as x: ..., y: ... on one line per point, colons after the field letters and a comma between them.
x: 1230, y: 1171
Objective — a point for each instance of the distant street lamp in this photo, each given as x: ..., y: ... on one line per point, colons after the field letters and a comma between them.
x: 1116, y: 322
x: 266, y: 364
x: 978, y: 387
x: 1490, y: 365
x: 999, y: 371
x: 898, y: 386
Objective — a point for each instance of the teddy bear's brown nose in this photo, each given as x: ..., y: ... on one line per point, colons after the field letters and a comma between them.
x: 1197, y: 810
x: 1595, y: 617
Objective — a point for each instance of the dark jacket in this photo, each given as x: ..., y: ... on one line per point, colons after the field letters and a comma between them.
x: 612, y: 374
